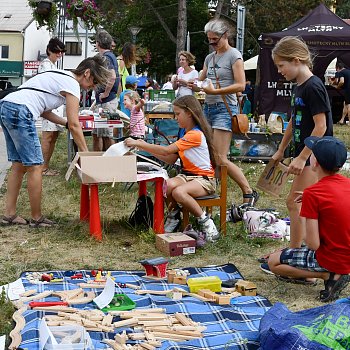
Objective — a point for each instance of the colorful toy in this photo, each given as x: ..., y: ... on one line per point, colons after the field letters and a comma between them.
x: 155, y: 268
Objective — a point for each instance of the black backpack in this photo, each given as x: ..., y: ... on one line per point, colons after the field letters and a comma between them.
x: 142, y: 215
x: 7, y: 91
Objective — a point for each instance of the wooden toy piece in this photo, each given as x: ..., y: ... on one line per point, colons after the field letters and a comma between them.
x: 15, y: 334
x: 170, y: 275
x: 121, y: 338
x: 180, y: 279
x: 155, y: 268
x: 224, y: 299
x: 235, y: 294
x: 99, y: 277
x: 246, y: 287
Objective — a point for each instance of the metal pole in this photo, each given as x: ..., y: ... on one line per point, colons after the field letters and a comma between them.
x: 133, y: 66
x: 188, y: 42
x: 240, y: 28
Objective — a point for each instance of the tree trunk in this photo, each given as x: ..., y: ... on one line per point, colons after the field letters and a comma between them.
x: 181, y: 29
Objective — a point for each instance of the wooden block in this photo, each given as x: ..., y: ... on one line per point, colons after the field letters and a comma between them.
x: 203, y: 291
x: 180, y: 280
x: 170, y: 275
x: 246, y: 287
x: 107, y: 320
x: 121, y: 338
x: 224, y: 299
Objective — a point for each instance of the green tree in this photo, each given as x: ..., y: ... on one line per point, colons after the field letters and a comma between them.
x: 159, y: 35
x: 272, y: 16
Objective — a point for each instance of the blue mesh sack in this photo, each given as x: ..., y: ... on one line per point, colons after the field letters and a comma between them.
x: 321, y: 328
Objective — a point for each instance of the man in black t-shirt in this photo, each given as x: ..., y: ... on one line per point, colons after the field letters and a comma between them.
x: 343, y: 82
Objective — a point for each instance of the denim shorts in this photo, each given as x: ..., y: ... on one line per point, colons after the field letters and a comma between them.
x: 217, y: 115
x: 301, y: 258
x: 22, y: 141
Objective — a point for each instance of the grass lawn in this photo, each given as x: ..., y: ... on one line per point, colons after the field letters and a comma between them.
x: 69, y: 246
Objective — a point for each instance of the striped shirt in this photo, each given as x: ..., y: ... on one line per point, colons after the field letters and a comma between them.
x: 137, y: 123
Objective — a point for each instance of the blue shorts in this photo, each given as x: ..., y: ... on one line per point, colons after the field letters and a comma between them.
x: 217, y: 115
x: 301, y: 258
x: 22, y: 140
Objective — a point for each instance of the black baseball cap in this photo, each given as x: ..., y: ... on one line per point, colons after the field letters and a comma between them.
x: 330, y: 152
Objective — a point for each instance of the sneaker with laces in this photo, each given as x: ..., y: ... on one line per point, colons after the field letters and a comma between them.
x: 208, y: 227
x: 172, y: 221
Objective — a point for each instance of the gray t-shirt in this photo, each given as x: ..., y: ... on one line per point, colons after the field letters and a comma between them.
x: 223, y: 67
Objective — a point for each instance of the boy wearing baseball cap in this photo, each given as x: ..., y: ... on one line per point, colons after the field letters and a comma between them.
x: 325, y: 214
x: 130, y: 85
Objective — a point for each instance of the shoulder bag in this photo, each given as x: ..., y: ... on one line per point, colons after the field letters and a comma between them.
x: 240, y: 122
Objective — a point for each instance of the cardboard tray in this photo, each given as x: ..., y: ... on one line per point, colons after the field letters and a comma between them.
x: 92, y: 168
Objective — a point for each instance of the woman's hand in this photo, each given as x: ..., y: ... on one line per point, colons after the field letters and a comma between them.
x: 102, y: 95
x: 296, y: 166
x: 210, y: 89
x: 130, y: 142
x: 278, y: 156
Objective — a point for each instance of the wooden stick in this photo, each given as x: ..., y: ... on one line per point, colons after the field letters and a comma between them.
x: 28, y: 293
x: 128, y: 322
x: 185, y: 321
x: 42, y: 295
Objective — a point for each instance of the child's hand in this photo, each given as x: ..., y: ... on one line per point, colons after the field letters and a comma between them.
x: 299, y: 196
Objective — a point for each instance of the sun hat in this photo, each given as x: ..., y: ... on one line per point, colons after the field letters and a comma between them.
x: 330, y: 152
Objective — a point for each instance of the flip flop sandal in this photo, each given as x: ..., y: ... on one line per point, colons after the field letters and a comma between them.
x: 265, y: 258
x: 296, y: 280
x: 253, y: 198
x: 42, y: 222
x: 333, y: 287
x: 13, y: 220
x: 50, y: 172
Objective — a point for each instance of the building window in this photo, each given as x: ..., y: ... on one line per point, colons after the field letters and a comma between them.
x: 4, y: 51
x: 73, y: 48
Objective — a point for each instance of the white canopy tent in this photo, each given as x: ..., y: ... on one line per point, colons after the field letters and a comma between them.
x: 251, y: 63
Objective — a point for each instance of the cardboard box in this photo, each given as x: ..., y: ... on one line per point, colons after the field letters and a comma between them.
x: 174, y: 244
x: 273, y: 178
x: 92, y: 168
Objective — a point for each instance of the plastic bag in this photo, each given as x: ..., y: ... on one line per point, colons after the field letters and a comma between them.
x: 320, y: 328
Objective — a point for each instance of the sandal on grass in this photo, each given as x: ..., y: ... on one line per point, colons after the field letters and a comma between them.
x: 303, y: 281
x: 50, y: 172
x: 333, y: 287
x: 41, y: 222
x: 13, y: 220
x: 252, y: 198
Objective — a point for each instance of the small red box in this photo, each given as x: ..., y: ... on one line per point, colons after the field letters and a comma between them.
x: 174, y: 244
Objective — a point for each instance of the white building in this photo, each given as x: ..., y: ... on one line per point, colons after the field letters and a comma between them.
x: 22, y: 45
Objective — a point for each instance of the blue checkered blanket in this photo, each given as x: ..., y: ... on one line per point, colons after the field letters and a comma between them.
x: 229, y: 327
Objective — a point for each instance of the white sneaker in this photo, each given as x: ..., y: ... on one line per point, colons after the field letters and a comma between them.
x: 172, y: 221
x: 208, y: 227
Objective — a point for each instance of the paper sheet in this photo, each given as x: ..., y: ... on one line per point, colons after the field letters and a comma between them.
x: 107, y: 294
x: 13, y: 289
x: 45, y: 334
x: 2, y: 342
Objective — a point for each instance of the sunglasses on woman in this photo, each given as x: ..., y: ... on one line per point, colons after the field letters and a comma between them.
x: 214, y: 42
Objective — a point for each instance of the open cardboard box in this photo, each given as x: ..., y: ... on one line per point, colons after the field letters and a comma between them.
x: 92, y: 168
